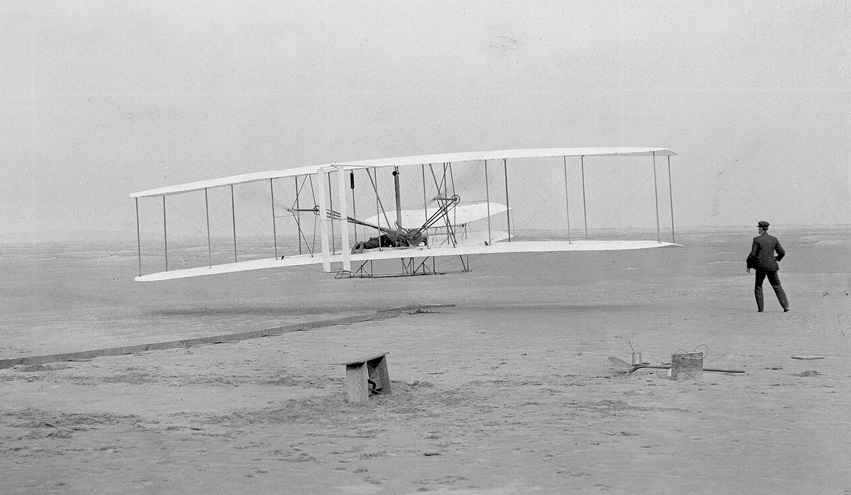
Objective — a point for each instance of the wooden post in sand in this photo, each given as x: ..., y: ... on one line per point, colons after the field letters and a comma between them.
x: 359, y: 374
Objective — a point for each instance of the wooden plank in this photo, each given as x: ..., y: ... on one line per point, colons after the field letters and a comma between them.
x: 379, y: 374
x: 357, y: 384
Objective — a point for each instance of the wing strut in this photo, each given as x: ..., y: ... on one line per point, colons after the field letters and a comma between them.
x: 209, y: 240
x: 297, y: 218
x: 425, y: 198
x: 354, y: 206
x: 274, y: 227
x: 233, y: 213
x: 584, y: 210
x: 378, y: 207
x: 507, y: 204
x: 671, y: 194
x: 323, y: 223
x: 488, y: 199
x: 344, y: 226
x: 139, y: 236
x: 331, y: 204
x: 398, y: 197
x: 566, y: 199
x: 165, y: 236
x: 452, y: 179
x: 656, y: 195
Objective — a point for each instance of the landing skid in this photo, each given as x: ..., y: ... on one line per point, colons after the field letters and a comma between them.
x: 410, y: 268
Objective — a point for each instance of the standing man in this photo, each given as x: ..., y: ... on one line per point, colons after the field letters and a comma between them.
x: 762, y: 259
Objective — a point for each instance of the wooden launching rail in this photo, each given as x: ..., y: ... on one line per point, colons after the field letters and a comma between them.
x: 215, y: 339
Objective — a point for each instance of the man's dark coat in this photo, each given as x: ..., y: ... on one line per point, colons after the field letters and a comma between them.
x: 762, y: 253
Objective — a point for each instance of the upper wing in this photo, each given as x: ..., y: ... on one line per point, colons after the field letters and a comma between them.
x: 227, y: 181
x: 470, y: 156
x: 403, y: 161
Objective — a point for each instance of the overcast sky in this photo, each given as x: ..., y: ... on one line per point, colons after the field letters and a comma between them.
x: 99, y: 99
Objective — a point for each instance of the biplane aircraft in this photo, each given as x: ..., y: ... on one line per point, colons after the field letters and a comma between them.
x: 414, y: 209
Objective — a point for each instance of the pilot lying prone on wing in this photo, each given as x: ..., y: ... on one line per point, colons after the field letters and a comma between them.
x: 401, y: 238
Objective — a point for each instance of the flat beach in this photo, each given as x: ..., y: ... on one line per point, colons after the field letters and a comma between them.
x: 501, y: 381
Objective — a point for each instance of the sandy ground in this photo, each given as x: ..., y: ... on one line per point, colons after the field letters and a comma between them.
x: 508, y: 391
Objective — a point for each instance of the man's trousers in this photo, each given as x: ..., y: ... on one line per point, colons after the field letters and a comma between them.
x: 774, y: 280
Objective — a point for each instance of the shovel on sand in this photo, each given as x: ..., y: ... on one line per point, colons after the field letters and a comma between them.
x: 620, y: 363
